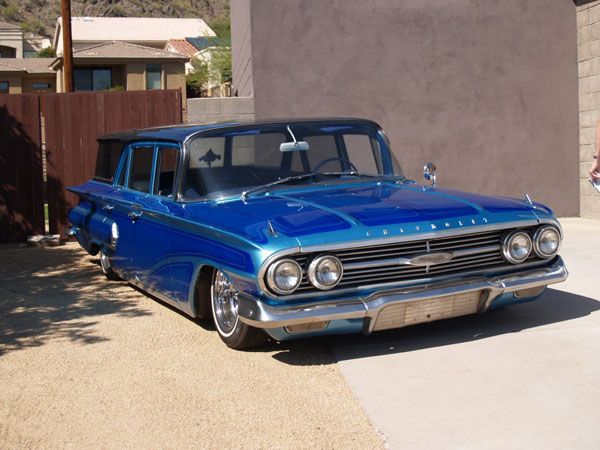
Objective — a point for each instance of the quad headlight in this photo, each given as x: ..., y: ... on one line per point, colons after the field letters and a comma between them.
x: 284, y: 276
x: 325, y: 272
x: 546, y: 241
x: 517, y: 247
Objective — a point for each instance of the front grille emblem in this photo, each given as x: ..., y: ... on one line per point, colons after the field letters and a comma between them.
x: 430, y: 259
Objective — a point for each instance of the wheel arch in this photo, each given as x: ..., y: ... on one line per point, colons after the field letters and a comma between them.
x: 200, y: 301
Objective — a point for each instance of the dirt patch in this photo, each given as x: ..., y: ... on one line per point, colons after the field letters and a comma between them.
x: 91, y: 363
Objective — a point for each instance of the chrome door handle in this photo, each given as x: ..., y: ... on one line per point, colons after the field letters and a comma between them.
x: 108, y: 208
x: 135, y: 215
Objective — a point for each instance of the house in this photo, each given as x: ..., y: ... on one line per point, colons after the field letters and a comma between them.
x: 147, y: 31
x: 120, y: 64
x: 24, y: 75
x: 16, y: 44
x: 206, y: 50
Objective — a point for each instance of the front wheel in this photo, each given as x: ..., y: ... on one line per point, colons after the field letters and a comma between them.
x: 235, y: 333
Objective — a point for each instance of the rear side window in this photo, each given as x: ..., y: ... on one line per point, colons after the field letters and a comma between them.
x: 166, y: 170
x: 141, y: 168
x: 107, y: 160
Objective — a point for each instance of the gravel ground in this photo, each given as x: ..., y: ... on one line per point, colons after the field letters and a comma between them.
x: 91, y: 363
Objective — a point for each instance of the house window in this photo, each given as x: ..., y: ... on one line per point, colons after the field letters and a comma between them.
x: 29, y: 54
x: 3, y: 87
x: 92, y: 79
x: 153, y: 76
x: 41, y: 85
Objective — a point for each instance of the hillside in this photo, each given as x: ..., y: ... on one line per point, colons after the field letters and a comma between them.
x: 39, y: 16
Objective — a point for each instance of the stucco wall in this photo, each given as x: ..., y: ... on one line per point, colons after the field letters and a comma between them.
x: 15, y: 85
x: 588, y: 36
x: 13, y: 38
x: 220, y: 109
x: 28, y: 83
x: 174, y: 78
x: 486, y: 90
x: 241, y: 48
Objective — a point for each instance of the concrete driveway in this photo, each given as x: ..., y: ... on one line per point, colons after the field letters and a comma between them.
x: 524, y: 377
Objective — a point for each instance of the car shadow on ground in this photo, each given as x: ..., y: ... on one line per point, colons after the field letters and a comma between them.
x: 552, y: 308
x: 55, y: 294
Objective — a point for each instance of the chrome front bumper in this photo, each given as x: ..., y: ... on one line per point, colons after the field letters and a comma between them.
x: 261, y: 315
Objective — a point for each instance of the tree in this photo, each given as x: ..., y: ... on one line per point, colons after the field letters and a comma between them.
x: 47, y: 52
x: 198, y: 79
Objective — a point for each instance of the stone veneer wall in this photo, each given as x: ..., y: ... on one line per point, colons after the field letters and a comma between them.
x: 220, y: 109
x: 588, y: 57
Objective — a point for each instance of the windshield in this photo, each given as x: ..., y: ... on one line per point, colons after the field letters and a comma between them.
x: 239, y: 159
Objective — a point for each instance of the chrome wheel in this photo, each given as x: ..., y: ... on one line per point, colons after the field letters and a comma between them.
x: 105, y: 263
x: 107, y: 267
x: 224, y: 304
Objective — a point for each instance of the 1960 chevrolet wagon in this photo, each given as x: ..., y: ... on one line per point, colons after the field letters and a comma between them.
x: 303, y: 228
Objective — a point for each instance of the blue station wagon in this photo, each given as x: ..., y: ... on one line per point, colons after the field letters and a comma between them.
x: 302, y: 228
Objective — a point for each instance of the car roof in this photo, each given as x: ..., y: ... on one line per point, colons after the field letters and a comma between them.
x: 181, y: 132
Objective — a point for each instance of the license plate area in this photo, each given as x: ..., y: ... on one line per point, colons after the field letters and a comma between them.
x: 421, y: 311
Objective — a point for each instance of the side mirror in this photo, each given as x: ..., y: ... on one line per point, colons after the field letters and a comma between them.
x: 429, y: 174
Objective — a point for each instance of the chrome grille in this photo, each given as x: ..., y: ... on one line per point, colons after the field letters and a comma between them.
x: 379, y: 264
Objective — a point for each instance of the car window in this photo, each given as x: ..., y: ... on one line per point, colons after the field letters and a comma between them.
x: 235, y: 159
x: 260, y: 150
x: 207, y: 152
x: 360, y: 152
x: 107, y: 161
x: 140, y: 170
x: 326, y: 149
x: 166, y: 170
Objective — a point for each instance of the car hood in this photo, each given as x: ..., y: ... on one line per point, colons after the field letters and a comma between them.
x: 347, y: 213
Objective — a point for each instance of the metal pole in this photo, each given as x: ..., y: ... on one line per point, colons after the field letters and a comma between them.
x: 67, y: 45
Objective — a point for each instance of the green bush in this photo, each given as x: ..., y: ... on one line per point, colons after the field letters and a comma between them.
x: 11, y: 12
x: 47, y: 52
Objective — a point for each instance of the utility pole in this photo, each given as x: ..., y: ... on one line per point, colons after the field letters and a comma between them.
x: 67, y: 45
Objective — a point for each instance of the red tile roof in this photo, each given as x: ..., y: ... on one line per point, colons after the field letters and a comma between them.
x: 182, y: 46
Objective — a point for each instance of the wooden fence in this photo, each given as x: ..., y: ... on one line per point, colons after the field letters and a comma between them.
x: 21, y: 184
x: 73, y: 122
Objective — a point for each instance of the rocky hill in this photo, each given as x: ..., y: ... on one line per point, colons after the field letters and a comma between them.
x: 39, y: 16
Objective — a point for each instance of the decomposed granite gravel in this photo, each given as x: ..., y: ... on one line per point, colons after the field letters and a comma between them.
x: 91, y: 363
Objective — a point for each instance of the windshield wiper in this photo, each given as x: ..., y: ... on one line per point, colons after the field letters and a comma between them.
x: 311, y: 175
x: 275, y: 183
x: 394, y: 178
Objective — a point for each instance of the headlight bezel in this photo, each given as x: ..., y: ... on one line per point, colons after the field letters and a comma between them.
x: 271, y: 276
x: 506, y: 246
x: 537, y: 239
x: 312, y: 271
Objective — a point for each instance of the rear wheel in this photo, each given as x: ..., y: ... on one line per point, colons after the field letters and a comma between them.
x: 107, y: 267
x: 235, y: 333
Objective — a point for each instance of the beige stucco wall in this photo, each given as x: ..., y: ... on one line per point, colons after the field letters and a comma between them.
x: 27, y: 83
x: 174, y: 78
x: 14, y: 39
x: 588, y: 56
x: 136, y: 80
x: 14, y: 83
